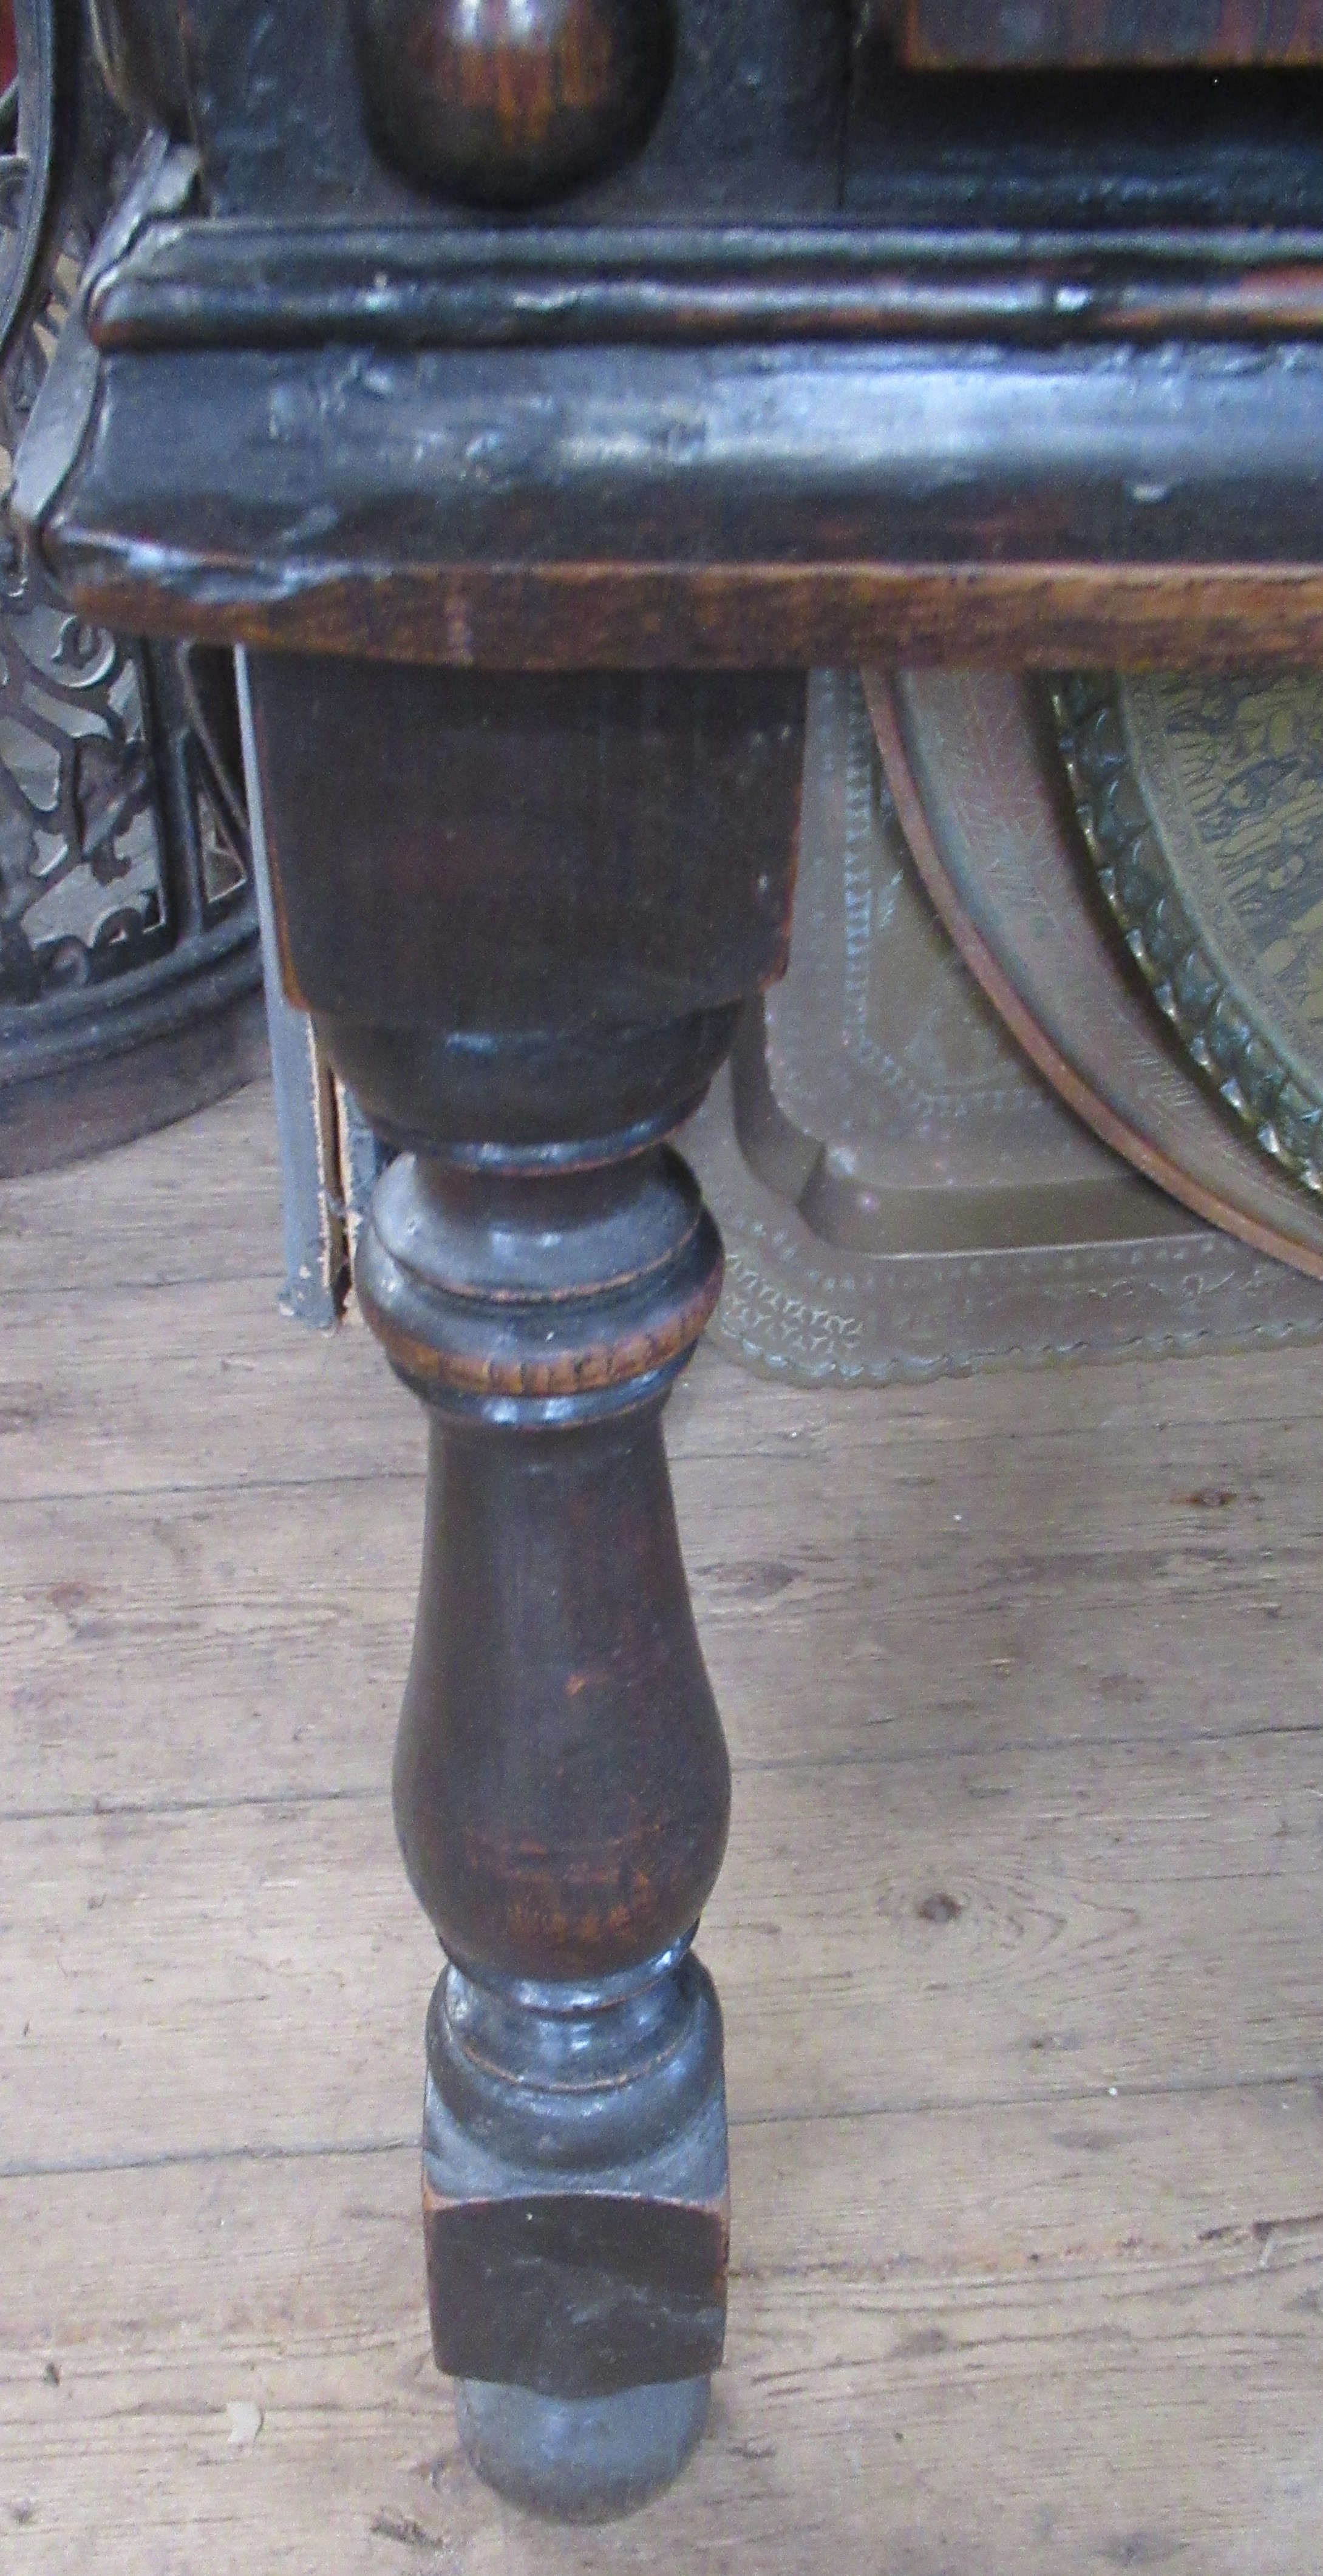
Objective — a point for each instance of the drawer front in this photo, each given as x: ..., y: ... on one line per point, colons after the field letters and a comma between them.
x: 1026, y: 35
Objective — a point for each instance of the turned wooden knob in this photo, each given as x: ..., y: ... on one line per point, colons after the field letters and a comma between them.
x: 503, y: 102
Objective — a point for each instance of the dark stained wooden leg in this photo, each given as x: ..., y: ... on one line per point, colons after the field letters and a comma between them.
x: 562, y: 1795
x: 538, y: 1266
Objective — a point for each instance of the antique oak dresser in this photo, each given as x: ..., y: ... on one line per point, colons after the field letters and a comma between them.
x: 537, y: 391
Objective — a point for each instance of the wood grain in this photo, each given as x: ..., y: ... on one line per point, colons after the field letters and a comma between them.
x: 116, y: 1225
x: 950, y: 34
x: 730, y: 616
x: 1094, y: 1916
x: 1040, y: 1649
x: 195, y: 1417
x: 514, y: 103
x: 1000, y: 1638
x: 997, y: 2343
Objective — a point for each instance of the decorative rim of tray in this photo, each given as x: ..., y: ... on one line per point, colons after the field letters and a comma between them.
x: 1196, y: 990
x: 994, y: 834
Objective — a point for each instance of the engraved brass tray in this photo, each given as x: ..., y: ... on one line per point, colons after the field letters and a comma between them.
x: 989, y: 821
x: 1201, y: 801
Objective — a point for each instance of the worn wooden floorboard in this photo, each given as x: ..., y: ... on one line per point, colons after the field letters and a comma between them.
x: 1018, y: 1940
x: 115, y: 1223
x: 73, y: 1422
x: 1010, y: 1599
x: 955, y: 2344
x: 975, y: 1930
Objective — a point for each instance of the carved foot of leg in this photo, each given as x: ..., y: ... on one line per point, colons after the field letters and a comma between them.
x: 600, y: 2220
x: 581, y: 2459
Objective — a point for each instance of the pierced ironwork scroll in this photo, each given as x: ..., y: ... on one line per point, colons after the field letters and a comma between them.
x: 127, y: 917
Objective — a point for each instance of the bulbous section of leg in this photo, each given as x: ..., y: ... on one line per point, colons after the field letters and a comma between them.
x: 562, y: 1789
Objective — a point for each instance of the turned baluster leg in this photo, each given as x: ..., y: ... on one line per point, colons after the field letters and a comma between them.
x: 539, y: 1265
x: 562, y: 1796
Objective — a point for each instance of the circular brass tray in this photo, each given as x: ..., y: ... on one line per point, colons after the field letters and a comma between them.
x: 997, y: 843
x: 1201, y: 801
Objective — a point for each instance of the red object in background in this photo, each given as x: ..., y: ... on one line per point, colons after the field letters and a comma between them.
x: 8, y: 48
x: 1009, y: 35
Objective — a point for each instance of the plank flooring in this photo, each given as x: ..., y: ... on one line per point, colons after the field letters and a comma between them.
x: 1019, y: 1940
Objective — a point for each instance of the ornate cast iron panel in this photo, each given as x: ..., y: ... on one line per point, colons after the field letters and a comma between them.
x: 126, y: 910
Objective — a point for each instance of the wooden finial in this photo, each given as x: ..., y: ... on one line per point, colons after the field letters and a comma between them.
x: 505, y: 102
